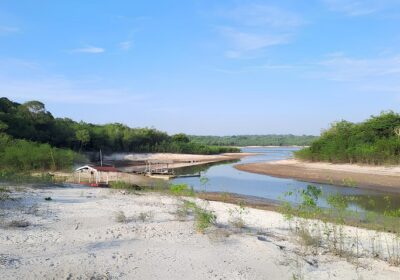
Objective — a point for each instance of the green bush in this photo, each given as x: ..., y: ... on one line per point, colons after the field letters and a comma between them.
x: 374, y: 141
x: 24, y: 156
x: 181, y: 190
x: 204, y: 219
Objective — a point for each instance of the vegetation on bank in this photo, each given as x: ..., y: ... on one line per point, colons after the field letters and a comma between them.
x: 330, y: 234
x: 31, y: 121
x: 255, y: 140
x: 18, y: 155
x: 374, y: 141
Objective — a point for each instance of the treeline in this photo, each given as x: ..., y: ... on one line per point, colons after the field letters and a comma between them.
x: 255, y: 140
x: 31, y: 121
x: 374, y: 141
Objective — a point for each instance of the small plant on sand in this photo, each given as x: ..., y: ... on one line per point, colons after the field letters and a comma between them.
x: 236, y: 216
x: 181, y: 190
x: 120, y: 217
x: 393, y: 250
x: 145, y: 216
x: 184, y: 210
x: 336, y: 238
x: 204, y: 219
x: 306, y: 230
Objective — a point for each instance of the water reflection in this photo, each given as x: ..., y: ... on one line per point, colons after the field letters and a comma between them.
x: 223, y: 177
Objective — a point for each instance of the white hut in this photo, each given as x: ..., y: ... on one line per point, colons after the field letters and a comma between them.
x: 96, y: 175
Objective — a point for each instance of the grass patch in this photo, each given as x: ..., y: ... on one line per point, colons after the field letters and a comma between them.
x: 204, y: 219
x: 181, y: 190
x: 121, y: 185
x: 236, y: 216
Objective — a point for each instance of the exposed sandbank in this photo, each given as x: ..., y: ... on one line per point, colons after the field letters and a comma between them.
x: 76, y: 236
x: 385, y: 178
x: 136, y: 161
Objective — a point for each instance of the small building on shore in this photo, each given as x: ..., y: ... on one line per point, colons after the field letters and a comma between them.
x: 95, y: 175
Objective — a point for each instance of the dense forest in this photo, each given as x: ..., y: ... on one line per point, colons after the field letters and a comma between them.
x: 255, y: 140
x: 31, y: 138
x: 374, y: 141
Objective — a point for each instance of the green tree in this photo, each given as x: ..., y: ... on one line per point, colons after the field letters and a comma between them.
x: 83, y: 137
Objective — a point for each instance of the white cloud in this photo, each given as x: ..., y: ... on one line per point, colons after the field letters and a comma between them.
x: 126, y: 45
x: 25, y: 80
x: 89, y: 49
x: 8, y: 29
x: 258, y: 68
x: 360, y: 7
x: 251, y: 28
x: 380, y: 74
x: 66, y: 91
x: 343, y: 68
x: 263, y: 15
x: 245, y: 41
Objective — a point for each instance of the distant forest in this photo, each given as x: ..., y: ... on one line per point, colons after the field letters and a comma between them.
x: 374, y: 141
x: 31, y: 138
x: 255, y: 140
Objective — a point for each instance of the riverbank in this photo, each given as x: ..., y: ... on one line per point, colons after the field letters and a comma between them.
x: 136, y: 161
x: 91, y: 233
x: 371, y: 177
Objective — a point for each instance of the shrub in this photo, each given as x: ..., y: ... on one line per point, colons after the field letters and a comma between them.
x: 204, y: 219
x: 374, y: 141
x: 181, y: 190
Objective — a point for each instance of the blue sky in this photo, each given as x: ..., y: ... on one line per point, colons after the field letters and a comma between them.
x: 204, y: 66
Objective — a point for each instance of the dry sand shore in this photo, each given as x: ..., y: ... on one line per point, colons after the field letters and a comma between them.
x: 136, y: 161
x: 373, y: 177
x: 76, y: 236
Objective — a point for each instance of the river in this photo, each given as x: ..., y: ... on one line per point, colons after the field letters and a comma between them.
x: 223, y: 177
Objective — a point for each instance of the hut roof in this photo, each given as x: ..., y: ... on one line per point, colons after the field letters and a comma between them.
x: 97, y: 168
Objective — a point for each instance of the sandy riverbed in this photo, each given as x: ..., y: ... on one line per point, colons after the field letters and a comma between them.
x: 76, y: 236
x: 374, y: 177
x: 136, y: 161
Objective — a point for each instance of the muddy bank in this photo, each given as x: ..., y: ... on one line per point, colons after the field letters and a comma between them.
x: 370, y: 177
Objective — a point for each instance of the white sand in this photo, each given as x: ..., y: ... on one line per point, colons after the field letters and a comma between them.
x: 174, y: 157
x: 76, y: 236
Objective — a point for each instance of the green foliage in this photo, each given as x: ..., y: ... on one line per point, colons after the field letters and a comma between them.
x: 204, y: 219
x: 374, y: 141
x: 255, y: 140
x: 31, y: 121
x: 181, y: 190
x: 307, y: 206
x: 24, y: 156
x: 180, y: 138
